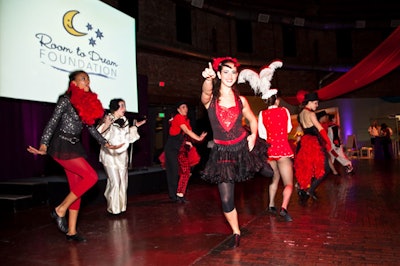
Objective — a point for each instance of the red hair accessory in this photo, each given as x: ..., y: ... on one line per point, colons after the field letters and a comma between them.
x: 217, y: 62
x: 301, y: 95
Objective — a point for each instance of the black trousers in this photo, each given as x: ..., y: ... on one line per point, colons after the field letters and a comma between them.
x: 171, y: 163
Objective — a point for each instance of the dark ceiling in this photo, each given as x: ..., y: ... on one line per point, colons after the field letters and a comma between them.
x: 314, y: 13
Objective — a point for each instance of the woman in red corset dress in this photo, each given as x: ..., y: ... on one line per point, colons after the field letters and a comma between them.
x: 234, y: 157
x: 274, y: 124
x: 311, y: 160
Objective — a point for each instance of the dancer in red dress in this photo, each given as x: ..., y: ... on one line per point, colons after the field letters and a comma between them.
x: 311, y: 159
x: 274, y: 124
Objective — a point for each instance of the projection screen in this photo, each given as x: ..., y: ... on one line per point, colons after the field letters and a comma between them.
x: 41, y: 41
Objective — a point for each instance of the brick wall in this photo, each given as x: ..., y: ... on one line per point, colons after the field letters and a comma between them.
x: 161, y: 57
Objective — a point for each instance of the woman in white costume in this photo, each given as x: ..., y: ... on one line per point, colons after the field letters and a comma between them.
x: 337, y: 152
x: 116, y: 129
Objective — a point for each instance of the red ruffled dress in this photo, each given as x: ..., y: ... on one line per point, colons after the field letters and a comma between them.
x: 309, y: 160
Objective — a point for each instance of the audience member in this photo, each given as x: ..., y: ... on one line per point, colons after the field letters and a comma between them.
x: 386, y: 141
x: 373, y: 131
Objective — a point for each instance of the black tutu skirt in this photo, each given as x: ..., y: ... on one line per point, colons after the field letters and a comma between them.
x: 235, y: 163
x: 66, y: 147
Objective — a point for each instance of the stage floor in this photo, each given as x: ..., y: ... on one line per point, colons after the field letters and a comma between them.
x: 354, y: 222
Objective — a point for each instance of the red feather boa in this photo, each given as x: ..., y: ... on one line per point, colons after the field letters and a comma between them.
x: 87, y: 105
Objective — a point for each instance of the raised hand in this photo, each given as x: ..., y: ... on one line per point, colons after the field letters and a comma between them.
x: 209, y: 72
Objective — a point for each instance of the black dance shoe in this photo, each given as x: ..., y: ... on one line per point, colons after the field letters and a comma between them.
x: 182, y: 199
x: 76, y: 238
x: 285, y: 215
x: 60, y: 221
x: 234, y: 241
x: 272, y: 211
x: 174, y: 199
x: 303, y: 195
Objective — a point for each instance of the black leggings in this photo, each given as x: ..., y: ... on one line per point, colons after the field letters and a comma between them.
x: 316, y: 182
x: 227, y: 193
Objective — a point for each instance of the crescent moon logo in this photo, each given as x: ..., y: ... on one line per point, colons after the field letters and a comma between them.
x: 67, y: 23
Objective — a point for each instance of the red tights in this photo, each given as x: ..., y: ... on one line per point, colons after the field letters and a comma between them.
x: 184, y: 170
x: 81, y: 177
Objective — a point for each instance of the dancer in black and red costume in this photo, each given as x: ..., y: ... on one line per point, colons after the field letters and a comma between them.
x: 235, y: 156
x: 311, y: 160
x: 176, y: 159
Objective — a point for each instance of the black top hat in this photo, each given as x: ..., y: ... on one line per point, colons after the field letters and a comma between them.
x: 309, y: 97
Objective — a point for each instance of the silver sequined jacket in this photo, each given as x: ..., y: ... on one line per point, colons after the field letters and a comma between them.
x: 62, y: 134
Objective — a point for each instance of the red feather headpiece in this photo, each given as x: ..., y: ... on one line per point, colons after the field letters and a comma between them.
x: 217, y: 62
x: 300, y: 96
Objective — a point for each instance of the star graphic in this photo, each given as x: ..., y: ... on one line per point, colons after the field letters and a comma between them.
x: 89, y: 26
x: 99, y: 34
x: 92, y: 42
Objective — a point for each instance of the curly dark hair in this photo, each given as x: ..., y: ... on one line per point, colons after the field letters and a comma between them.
x: 114, y: 104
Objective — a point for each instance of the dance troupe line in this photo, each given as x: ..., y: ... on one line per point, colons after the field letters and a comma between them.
x: 243, y: 146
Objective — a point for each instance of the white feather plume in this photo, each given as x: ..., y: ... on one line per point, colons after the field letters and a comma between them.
x: 260, y: 83
x: 276, y: 64
x: 250, y: 76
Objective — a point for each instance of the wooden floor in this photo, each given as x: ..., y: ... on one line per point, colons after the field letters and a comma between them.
x: 354, y: 222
